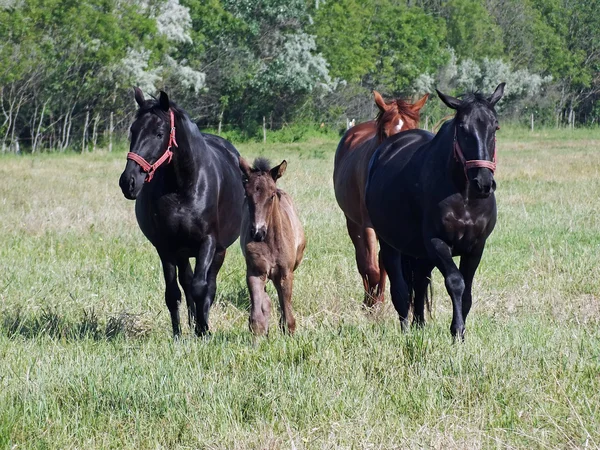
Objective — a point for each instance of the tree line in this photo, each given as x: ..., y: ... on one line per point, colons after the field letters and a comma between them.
x: 67, y: 66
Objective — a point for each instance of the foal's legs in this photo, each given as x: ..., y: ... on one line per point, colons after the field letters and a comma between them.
x: 392, y: 259
x: 200, y: 283
x: 468, y: 267
x: 284, y: 285
x: 172, y: 292
x: 260, y: 303
x: 185, y: 279
x: 441, y: 255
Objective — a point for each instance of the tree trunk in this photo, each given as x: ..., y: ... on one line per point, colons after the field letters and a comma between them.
x: 85, y: 126
x: 110, y: 132
x: 95, y: 132
x: 37, y: 133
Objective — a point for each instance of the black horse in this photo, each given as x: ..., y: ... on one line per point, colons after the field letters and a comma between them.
x: 431, y: 198
x: 188, y: 201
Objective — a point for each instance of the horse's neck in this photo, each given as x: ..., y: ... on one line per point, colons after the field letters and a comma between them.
x: 186, y: 157
x: 454, y: 168
x: 275, y: 220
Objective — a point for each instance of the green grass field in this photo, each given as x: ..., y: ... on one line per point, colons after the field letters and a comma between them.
x: 87, y: 359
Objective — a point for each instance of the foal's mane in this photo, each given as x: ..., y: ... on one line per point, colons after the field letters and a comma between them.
x: 261, y: 165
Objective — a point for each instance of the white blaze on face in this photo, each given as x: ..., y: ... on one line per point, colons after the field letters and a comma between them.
x: 398, y: 127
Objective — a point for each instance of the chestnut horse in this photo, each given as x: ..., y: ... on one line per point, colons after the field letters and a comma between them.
x: 273, y: 242
x: 349, y: 178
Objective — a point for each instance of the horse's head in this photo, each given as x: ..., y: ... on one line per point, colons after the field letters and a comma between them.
x: 397, y: 115
x: 152, y: 135
x: 259, y: 185
x: 475, y: 125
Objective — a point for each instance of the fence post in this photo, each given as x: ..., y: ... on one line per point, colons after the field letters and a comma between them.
x: 264, y: 130
x: 427, y: 123
x: 532, y: 122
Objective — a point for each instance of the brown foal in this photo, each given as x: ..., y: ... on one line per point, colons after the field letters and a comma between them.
x: 349, y: 178
x: 273, y: 242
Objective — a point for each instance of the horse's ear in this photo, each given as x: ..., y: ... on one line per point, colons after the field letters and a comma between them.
x: 451, y: 102
x: 380, y: 102
x: 163, y: 101
x: 139, y: 96
x: 278, y: 171
x: 497, y: 95
x: 245, y: 168
x: 420, y: 103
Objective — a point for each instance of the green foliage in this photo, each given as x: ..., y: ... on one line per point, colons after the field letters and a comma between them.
x: 66, y: 66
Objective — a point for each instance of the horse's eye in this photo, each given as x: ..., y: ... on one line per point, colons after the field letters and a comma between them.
x: 159, y: 135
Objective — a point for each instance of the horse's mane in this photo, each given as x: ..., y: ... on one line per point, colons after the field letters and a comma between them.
x: 401, y: 107
x: 261, y: 165
x: 474, y: 98
x: 153, y: 106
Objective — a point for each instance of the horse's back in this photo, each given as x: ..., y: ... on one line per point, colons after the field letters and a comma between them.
x: 350, y: 168
x: 393, y: 186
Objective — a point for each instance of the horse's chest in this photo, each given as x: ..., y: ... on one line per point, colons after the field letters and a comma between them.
x: 170, y: 219
x: 464, y: 229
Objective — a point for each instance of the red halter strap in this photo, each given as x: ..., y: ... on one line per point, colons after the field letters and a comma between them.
x: 472, y: 163
x: 166, y: 157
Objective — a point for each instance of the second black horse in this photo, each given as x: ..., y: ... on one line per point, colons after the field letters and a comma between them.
x: 188, y: 201
x: 431, y: 198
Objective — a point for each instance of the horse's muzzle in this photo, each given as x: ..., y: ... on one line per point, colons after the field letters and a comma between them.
x: 258, y: 235
x: 484, y: 184
x: 130, y: 186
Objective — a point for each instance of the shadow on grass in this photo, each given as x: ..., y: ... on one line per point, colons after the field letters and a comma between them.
x: 237, y: 296
x: 48, y: 322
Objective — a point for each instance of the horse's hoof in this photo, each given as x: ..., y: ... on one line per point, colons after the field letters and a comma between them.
x: 458, y: 335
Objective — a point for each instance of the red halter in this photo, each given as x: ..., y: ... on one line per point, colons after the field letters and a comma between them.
x: 166, y: 157
x: 472, y: 163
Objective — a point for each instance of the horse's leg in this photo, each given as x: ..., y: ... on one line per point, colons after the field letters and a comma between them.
x: 260, y: 304
x: 172, y: 292
x: 382, y: 280
x: 185, y: 279
x: 284, y: 285
x: 441, y: 255
x: 213, y: 272
x: 372, y: 266
x: 421, y: 281
x: 355, y: 233
x: 200, y: 284
x: 392, y: 259
x: 468, y: 267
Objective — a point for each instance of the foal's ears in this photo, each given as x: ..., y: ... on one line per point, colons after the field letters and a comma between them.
x: 139, y: 96
x: 451, y: 102
x: 380, y: 102
x: 419, y: 103
x: 163, y: 101
x: 245, y: 168
x: 497, y: 95
x: 278, y: 171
